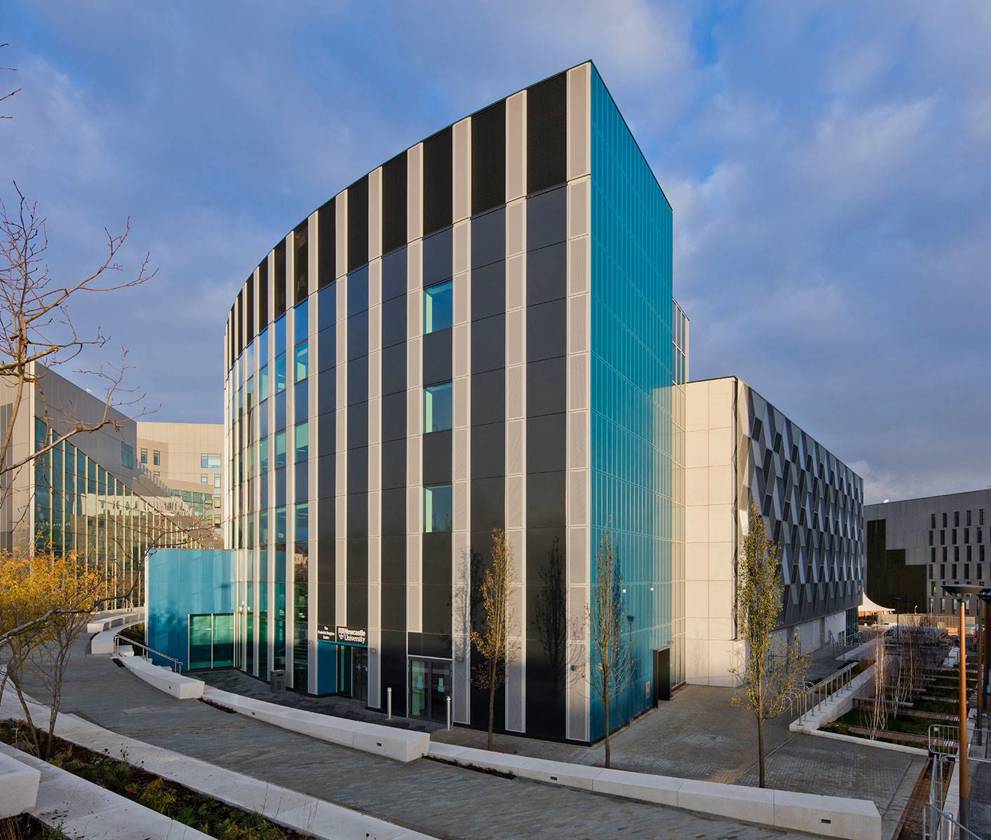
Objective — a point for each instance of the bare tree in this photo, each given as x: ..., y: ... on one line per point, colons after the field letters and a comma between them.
x: 771, y: 671
x: 610, y: 648
x: 879, y: 704
x: 5, y: 96
x: 36, y: 324
x: 490, y: 640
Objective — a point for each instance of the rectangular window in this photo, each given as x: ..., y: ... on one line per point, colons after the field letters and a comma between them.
x: 932, y: 555
x: 263, y: 529
x: 127, y: 455
x: 437, y: 407
x: 932, y: 520
x: 930, y: 538
x: 953, y: 571
x: 942, y: 536
x: 263, y: 456
x: 263, y: 384
x: 156, y: 458
x: 280, y: 373
x: 956, y: 518
x: 204, y: 478
x: 968, y: 517
x: 980, y: 516
x: 437, y: 508
x: 966, y: 571
x: 280, y: 449
x: 302, y: 361
x: 301, y: 322
x: 302, y: 441
x: 216, y: 483
x: 944, y: 519
x: 438, y: 307
x: 980, y: 535
x: 144, y: 456
x: 956, y: 553
x: 209, y: 461
x: 966, y: 536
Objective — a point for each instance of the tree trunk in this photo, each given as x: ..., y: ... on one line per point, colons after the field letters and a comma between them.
x: 492, y: 691
x: 605, y: 710
x: 760, y: 752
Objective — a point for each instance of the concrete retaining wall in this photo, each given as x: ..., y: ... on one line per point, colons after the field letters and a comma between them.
x: 18, y: 787
x: 828, y: 816
x: 164, y: 679
x: 398, y: 744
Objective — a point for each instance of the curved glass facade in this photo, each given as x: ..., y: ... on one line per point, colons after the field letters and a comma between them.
x: 475, y: 335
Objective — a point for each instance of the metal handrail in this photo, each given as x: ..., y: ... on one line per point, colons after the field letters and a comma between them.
x: 944, y: 740
x: 174, y: 664
x: 937, y: 823
x: 807, y: 700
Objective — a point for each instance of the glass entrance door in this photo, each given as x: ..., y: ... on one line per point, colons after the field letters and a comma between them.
x: 352, y: 672
x: 429, y: 688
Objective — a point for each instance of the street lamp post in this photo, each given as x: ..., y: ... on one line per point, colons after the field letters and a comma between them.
x: 960, y: 592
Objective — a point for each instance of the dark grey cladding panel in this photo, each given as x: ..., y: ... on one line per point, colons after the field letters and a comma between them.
x: 437, y: 181
x: 488, y: 157
x: 326, y: 244
x: 358, y: 223
x: 437, y: 257
x: 546, y: 274
x: 437, y: 357
x: 394, y: 179
x: 812, y: 506
x: 547, y: 125
x: 488, y: 290
x: 488, y: 238
x: 546, y: 216
x: 437, y: 453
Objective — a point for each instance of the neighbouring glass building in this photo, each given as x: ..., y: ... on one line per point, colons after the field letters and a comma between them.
x: 85, y: 493
x: 477, y: 334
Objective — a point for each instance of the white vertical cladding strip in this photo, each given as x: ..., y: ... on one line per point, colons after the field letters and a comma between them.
x: 374, y: 438
x: 461, y: 439
x: 250, y: 557
x: 313, y: 398
x: 341, y: 418
x: 414, y: 391
x: 290, y: 550
x: 579, y: 121
x: 269, y: 558
x: 578, y: 389
x: 515, y: 512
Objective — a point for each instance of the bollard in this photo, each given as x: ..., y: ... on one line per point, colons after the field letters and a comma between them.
x: 449, y: 712
x: 388, y: 704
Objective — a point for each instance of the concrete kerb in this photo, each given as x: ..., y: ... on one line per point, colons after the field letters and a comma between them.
x: 828, y: 816
x: 399, y: 744
x: 79, y: 808
x: 103, y: 642
x: 18, y: 786
x: 291, y: 809
x: 164, y: 679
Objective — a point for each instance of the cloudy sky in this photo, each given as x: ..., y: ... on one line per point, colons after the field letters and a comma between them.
x: 829, y: 166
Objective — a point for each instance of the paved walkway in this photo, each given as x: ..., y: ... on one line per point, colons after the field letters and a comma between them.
x: 425, y: 795
x: 701, y: 735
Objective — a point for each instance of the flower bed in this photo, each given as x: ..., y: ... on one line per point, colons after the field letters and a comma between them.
x: 173, y: 800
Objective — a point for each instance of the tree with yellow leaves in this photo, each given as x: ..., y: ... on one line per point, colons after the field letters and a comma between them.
x: 45, y: 603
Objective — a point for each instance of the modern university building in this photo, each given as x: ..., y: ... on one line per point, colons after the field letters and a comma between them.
x: 477, y: 334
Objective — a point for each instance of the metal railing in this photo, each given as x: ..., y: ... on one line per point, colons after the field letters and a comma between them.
x: 148, y: 653
x: 944, y: 740
x: 806, y: 700
x: 938, y: 824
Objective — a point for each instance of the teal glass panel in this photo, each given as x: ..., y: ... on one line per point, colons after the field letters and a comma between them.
x: 301, y: 569
x: 223, y: 640
x: 302, y: 441
x: 280, y: 373
x: 301, y: 321
x: 438, y: 307
x: 200, y: 641
x: 438, y: 406
x: 280, y: 448
x: 632, y: 370
x: 437, y: 513
x: 302, y: 363
x: 263, y: 384
x: 263, y: 456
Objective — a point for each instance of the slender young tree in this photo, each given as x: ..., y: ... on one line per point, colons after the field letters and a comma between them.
x: 612, y: 662
x: 490, y: 640
x: 770, y: 672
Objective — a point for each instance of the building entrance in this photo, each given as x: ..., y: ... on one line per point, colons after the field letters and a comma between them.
x: 352, y: 672
x: 429, y: 688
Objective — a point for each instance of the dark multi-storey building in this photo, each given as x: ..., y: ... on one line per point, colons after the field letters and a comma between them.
x: 478, y: 334
x: 915, y: 547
